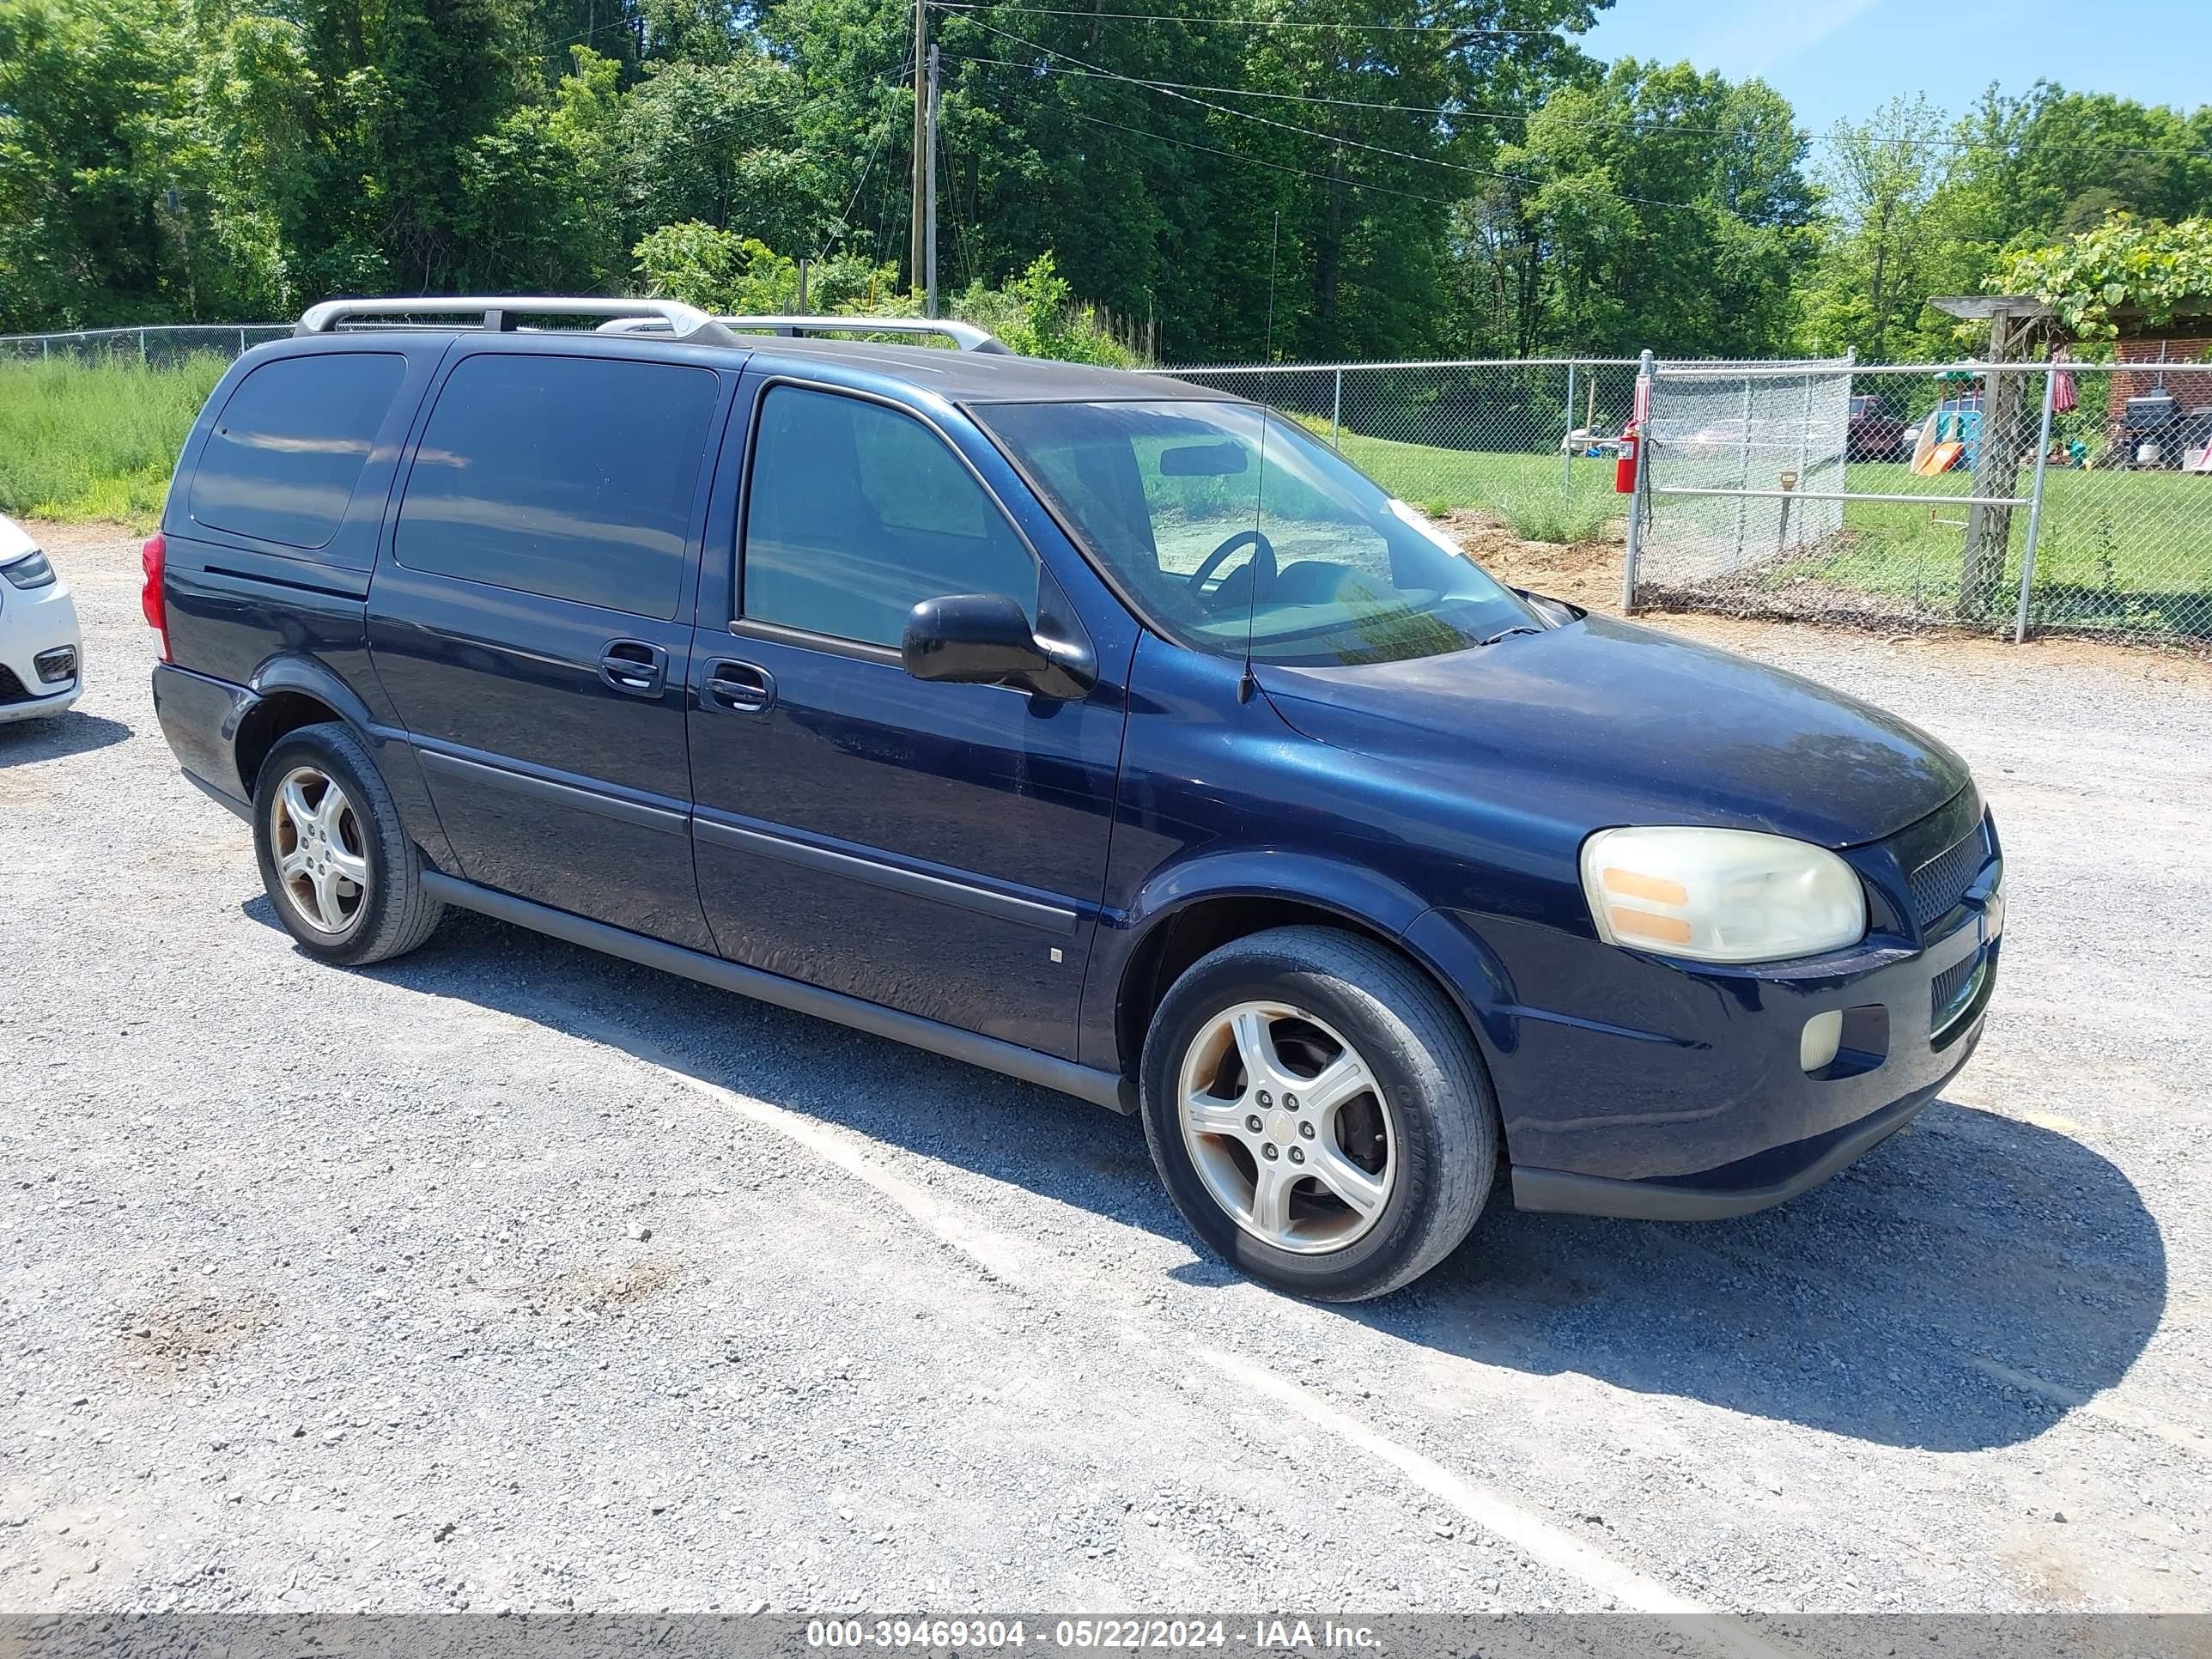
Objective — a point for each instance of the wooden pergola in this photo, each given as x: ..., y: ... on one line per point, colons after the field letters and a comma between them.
x: 2011, y: 318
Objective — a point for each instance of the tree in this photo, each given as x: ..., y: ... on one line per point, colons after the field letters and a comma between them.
x: 1881, y: 177
x: 710, y: 141
x: 1658, y: 207
x: 87, y: 139
x: 2144, y: 267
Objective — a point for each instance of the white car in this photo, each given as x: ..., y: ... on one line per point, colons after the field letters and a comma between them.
x: 41, y: 652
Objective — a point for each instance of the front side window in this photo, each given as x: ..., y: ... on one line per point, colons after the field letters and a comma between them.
x: 572, y: 477
x: 1227, y: 525
x: 857, y: 513
x: 292, y: 440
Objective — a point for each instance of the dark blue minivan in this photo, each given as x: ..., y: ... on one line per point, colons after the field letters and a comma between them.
x: 1096, y: 728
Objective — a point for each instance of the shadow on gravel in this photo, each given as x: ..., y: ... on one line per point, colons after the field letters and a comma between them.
x: 1961, y: 1287
x: 57, y: 736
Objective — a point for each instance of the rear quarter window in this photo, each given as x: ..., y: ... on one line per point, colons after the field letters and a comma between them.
x: 284, y: 456
x: 569, y: 477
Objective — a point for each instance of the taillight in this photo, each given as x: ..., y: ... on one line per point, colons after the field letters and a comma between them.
x: 153, y: 559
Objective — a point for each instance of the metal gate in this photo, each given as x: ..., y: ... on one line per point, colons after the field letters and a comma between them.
x: 1842, y: 493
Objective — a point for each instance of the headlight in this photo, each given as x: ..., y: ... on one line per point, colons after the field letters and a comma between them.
x: 32, y: 570
x: 1720, y: 895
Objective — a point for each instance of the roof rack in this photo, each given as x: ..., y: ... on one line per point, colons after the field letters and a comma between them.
x: 965, y: 337
x: 499, y: 313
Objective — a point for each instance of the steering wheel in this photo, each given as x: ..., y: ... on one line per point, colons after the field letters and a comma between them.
x: 1263, y: 563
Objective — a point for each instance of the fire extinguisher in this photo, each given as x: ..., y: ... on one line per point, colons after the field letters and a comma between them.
x: 1624, y: 466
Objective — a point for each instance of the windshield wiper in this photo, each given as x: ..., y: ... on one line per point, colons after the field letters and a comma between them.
x: 1508, y: 633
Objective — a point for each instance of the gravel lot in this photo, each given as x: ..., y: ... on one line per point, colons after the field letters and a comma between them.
x: 510, y: 1276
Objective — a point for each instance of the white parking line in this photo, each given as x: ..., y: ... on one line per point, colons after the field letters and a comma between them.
x: 2097, y: 1406
x: 1536, y: 1538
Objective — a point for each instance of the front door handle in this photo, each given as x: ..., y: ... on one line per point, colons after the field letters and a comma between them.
x: 741, y: 688
x: 634, y: 668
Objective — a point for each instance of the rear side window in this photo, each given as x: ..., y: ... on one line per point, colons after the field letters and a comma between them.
x: 289, y: 445
x: 571, y: 478
x: 857, y: 513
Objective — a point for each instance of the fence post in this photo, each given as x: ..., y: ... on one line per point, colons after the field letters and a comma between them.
x: 1336, y: 414
x: 1638, y: 493
x: 1742, y: 475
x: 1566, y: 441
x: 242, y: 342
x: 1804, y: 455
x: 141, y: 348
x: 2035, y: 506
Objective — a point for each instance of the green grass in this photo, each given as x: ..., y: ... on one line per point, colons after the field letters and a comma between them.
x: 1542, y: 497
x: 95, y: 441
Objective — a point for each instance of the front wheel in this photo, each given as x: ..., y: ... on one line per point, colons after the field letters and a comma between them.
x: 1318, y: 1112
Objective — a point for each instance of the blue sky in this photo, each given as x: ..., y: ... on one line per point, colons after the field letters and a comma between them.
x: 1841, y: 58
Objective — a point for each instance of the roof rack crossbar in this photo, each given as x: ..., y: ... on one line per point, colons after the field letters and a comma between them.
x: 965, y: 337
x: 498, y: 313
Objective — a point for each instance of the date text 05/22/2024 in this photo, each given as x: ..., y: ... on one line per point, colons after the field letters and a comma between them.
x: 1257, y: 1635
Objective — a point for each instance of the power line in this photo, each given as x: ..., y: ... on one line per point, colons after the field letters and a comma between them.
x: 1240, y: 22
x: 1259, y: 161
x: 875, y: 148
x: 1459, y: 112
x: 1327, y: 137
x: 611, y: 23
x: 1455, y: 112
x: 962, y: 243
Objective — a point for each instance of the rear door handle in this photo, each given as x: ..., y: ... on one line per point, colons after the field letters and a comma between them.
x: 741, y: 688
x: 634, y: 668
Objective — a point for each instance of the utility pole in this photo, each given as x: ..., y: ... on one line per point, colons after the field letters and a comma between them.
x: 914, y: 255
x: 929, y: 148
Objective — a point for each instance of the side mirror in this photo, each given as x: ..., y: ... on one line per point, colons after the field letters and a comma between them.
x: 984, y: 639
x: 972, y: 639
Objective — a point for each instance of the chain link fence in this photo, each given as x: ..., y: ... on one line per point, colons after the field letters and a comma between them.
x: 2126, y: 530
x: 1528, y: 440
x: 1909, y: 495
x: 160, y: 346
x: 2010, y: 499
x: 1883, y: 495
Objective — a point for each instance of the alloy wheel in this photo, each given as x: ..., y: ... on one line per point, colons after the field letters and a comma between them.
x: 1287, y: 1127
x: 321, y: 856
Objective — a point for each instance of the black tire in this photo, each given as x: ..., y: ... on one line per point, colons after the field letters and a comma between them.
x: 393, y: 914
x: 1443, y: 1115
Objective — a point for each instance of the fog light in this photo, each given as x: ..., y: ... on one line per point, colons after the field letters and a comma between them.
x: 1822, y: 1036
x: 56, y: 666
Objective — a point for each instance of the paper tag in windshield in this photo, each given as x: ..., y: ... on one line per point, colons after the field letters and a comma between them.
x: 1421, y: 521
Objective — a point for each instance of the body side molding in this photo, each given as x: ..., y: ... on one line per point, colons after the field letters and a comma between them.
x: 1101, y: 1088
x: 439, y: 763
x: 963, y: 895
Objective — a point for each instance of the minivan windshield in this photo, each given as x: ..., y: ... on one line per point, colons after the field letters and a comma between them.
x: 1222, y: 521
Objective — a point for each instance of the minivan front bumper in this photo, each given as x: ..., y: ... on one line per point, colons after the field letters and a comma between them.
x: 1631, y: 1085
x: 1559, y: 1193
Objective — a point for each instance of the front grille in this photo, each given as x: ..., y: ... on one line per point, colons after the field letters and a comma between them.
x: 1940, y: 883
x: 57, y: 666
x: 11, y: 689
x: 1953, y: 989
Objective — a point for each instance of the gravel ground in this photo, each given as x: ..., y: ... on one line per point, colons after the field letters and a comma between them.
x: 510, y: 1276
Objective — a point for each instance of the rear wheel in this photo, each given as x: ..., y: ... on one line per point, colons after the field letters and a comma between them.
x: 345, y: 878
x: 1318, y: 1112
